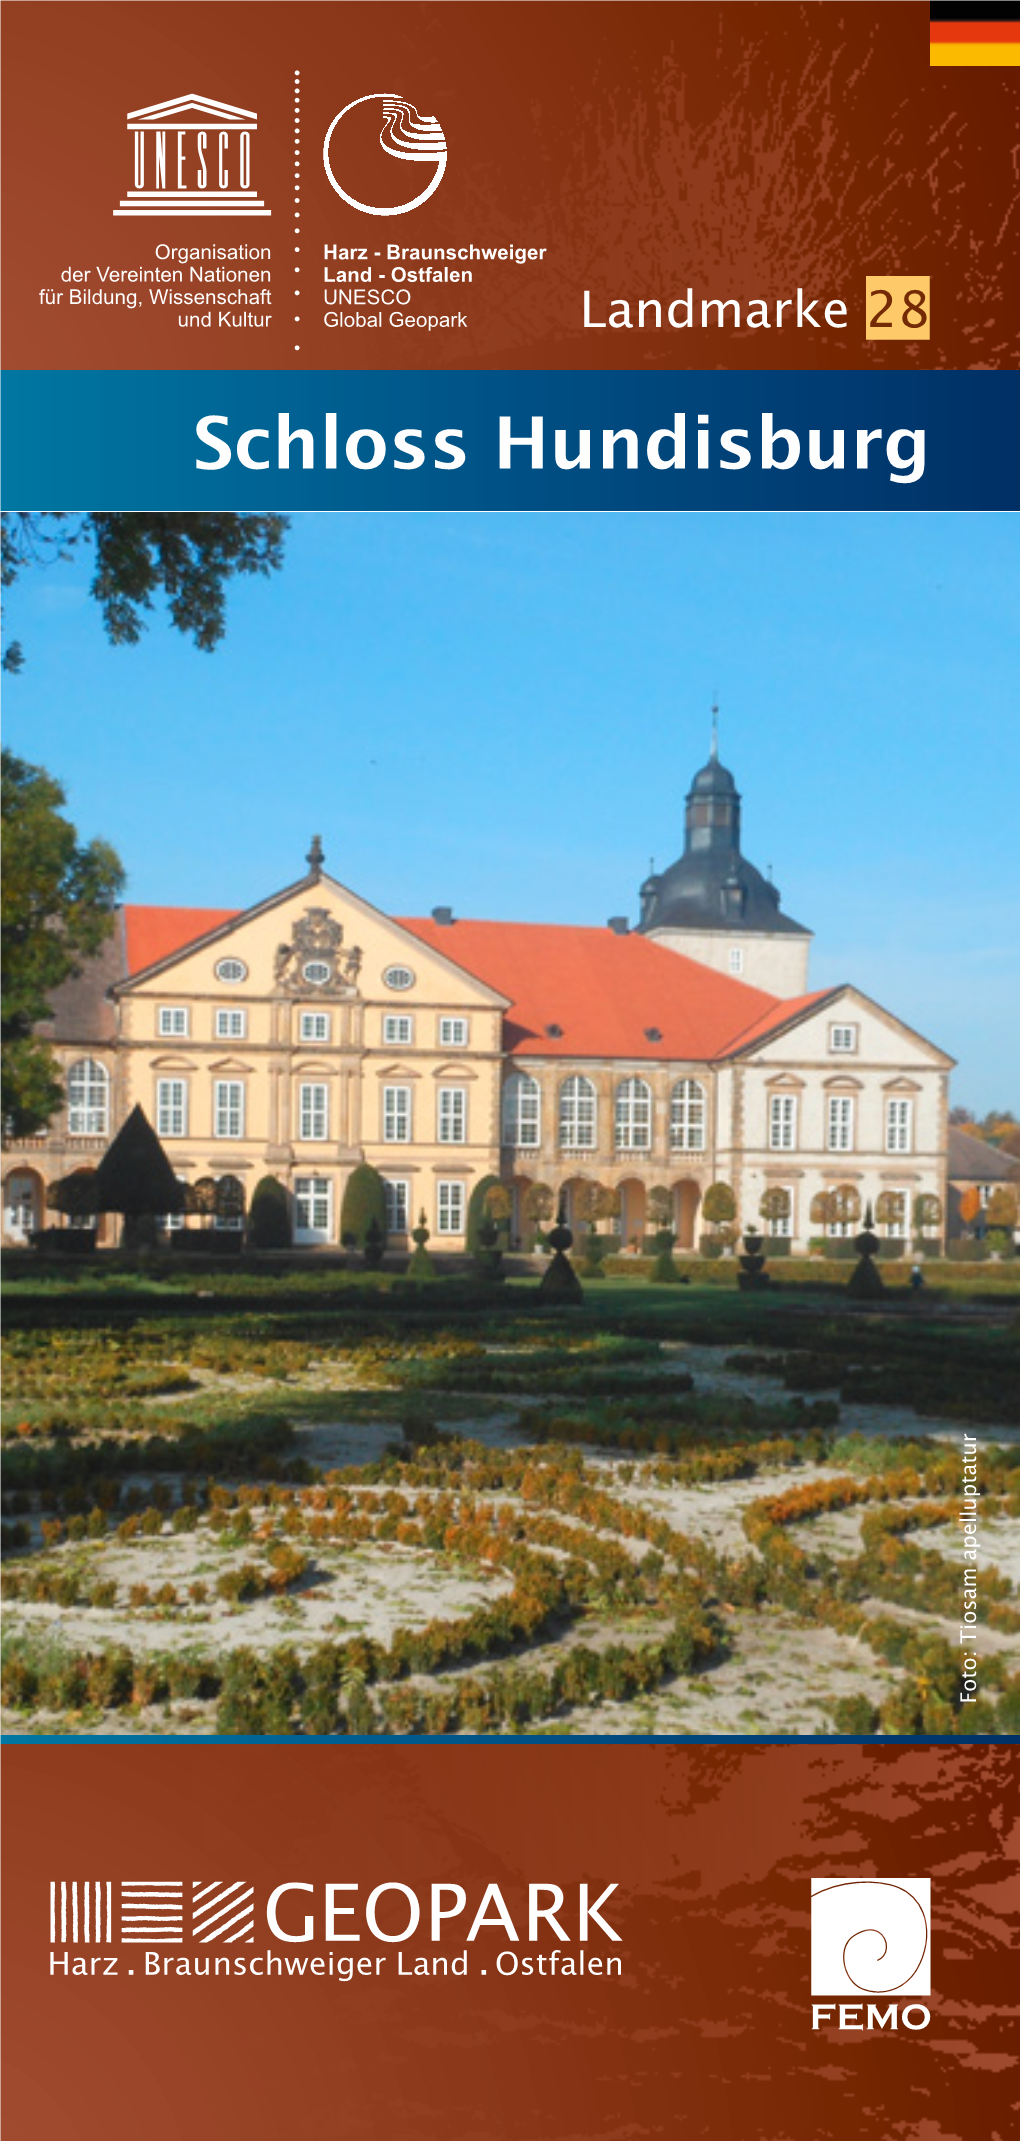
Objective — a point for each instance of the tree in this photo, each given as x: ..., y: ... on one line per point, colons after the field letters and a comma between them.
x: 135, y: 1178
x: 970, y: 1204
x: 186, y: 557
x: 489, y: 1201
x: 720, y: 1205
x: 775, y: 1205
x: 57, y: 907
x: 659, y: 1206
x: 74, y: 1196
x: 1001, y: 1209
x: 364, y: 1203
x: 269, y: 1218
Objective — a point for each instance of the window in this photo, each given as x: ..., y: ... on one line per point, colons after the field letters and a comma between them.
x: 899, y: 1124
x: 452, y: 1114
x: 313, y: 1209
x: 228, y: 1108
x: 736, y: 959
x: 172, y: 1107
x: 453, y: 1032
x: 399, y: 977
x: 88, y: 1099
x: 396, y: 1114
x: 633, y: 1115
x: 843, y: 1040
x: 840, y: 1135
x: 316, y: 1026
x: 231, y: 1025
x: 231, y: 970
x: 174, y: 1019
x: 782, y: 1122
x: 577, y: 1114
x: 174, y: 1221
x: 450, y: 1207
x: 313, y: 1111
x: 687, y: 1116
x: 522, y: 1103
x: 397, y: 1195
x: 398, y: 1029
x: 317, y: 971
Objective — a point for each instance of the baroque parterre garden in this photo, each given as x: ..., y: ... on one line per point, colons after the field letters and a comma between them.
x: 320, y: 1508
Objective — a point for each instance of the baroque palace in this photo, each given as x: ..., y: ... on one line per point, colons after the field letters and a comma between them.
x: 311, y: 1032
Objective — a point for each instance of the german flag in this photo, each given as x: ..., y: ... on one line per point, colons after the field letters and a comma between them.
x: 974, y: 33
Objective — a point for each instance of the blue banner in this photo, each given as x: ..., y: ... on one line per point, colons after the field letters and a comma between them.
x: 518, y: 441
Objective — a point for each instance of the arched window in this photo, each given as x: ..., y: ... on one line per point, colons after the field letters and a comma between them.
x: 577, y: 1114
x: 88, y: 1099
x: 633, y: 1115
x: 522, y: 1111
x: 687, y: 1116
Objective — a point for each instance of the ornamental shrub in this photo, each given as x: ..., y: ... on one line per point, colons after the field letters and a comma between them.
x: 364, y: 1202
x: 269, y: 1224
x: 854, y: 1714
x: 720, y: 1205
x: 489, y: 1200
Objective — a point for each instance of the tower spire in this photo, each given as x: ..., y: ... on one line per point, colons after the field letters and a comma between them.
x: 714, y: 752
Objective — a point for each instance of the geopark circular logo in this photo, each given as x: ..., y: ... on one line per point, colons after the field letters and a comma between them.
x: 352, y: 152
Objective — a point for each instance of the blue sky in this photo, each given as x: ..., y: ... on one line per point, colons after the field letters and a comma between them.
x: 502, y: 713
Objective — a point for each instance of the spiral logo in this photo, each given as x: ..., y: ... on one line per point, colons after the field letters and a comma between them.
x: 870, y: 1936
x: 356, y: 145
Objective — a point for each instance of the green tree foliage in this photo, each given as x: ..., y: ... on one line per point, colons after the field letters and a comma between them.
x: 489, y: 1201
x: 775, y: 1204
x: 720, y: 1205
x: 188, y: 558
x: 269, y: 1219
x: 75, y: 1196
x: 134, y: 1175
x: 364, y: 1202
x: 57, y: 906
x: 1001, y: 1209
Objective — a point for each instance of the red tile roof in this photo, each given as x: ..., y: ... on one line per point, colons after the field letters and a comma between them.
x: 154, y: 933
x: 784, y: 1010
x: 605, y: 991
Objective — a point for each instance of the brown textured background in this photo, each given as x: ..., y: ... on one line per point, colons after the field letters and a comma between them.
x: 741, y: 148
x: 707, y: 2033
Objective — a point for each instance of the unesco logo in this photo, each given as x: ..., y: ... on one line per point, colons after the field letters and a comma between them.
x: 870, y: 1941
x: 405, y: 135
x: 192, y: 156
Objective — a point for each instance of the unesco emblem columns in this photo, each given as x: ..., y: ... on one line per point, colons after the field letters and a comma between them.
x: 192, y: 157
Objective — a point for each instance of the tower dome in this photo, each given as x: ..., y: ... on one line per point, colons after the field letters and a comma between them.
x: 712, y: 902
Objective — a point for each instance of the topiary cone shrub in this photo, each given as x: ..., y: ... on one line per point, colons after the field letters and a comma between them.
x: 364, y: 1201
x: 374, y: 1245
x: 866, y: 1282
x: 269, y: 1224
x: 560, y: 1282
x: 421, y: 1267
